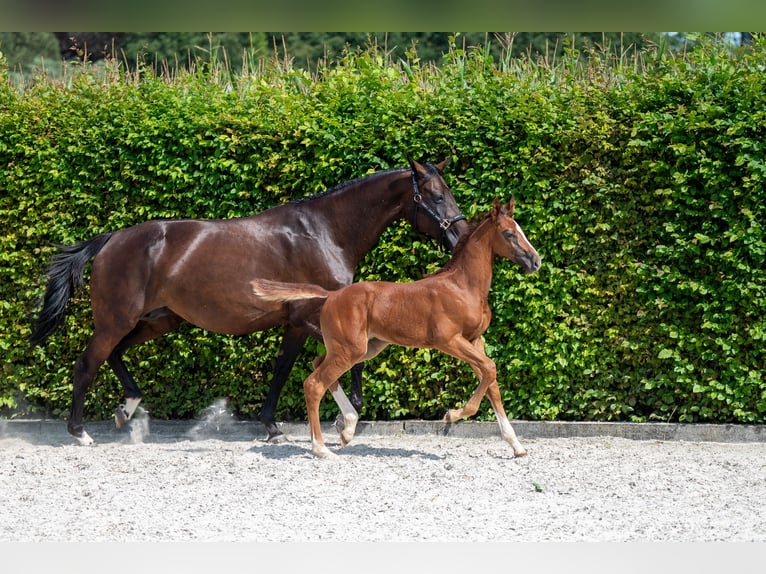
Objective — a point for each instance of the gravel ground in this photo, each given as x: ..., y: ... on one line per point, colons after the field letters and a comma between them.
x: 383, y: 488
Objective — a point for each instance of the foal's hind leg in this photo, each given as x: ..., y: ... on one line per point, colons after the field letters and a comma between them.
x: 345, y: 424
x: 327, y: 371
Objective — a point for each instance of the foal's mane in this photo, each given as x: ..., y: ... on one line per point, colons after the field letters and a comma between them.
x: 474, y: 225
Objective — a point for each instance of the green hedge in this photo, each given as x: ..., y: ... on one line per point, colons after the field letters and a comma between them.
x: 640, y: 183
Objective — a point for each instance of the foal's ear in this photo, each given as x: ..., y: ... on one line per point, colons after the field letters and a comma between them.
x: 511, y: 206
x: 497, y: 208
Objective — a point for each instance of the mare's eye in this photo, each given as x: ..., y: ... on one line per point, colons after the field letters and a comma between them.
x: 438, y: 198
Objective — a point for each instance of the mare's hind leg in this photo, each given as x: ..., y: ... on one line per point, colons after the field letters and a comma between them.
x: 85, y: 369
x: 154, y: 325
x: 292, y: 343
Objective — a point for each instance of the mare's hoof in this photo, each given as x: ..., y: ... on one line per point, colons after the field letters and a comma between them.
x: 78, y: 432
x: 84, y: 439
x: 120, y: 416
x: 277, y: 439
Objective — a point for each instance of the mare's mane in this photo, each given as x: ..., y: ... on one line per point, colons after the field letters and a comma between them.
x: 430, y: 168
x: 340, y: 187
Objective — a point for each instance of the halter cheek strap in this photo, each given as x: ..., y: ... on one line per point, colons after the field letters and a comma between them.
x: 444, y: 222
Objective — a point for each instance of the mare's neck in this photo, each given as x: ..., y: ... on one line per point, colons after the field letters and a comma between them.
x: 362, y: 210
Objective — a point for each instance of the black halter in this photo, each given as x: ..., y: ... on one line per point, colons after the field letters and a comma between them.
x: 417, y: 202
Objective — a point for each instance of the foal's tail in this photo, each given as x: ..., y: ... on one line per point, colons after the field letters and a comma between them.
x: 64, y: 276
x: 280, y: 292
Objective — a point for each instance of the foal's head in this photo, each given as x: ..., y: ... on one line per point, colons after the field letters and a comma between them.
x: 510, y: 241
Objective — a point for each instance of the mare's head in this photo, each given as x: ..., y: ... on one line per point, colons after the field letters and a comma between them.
x: 434, y: 210
x: 509, y: 240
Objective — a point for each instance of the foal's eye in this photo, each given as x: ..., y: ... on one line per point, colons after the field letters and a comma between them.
x: 508, y: 234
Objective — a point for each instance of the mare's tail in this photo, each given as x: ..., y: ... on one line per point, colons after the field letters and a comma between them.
x: 283, y: 292
x: 64, y: 276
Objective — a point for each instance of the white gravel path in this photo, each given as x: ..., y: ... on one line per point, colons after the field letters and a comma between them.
x: 384, y: 488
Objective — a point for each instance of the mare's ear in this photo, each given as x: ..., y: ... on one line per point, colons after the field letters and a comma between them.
x: 416, y: 167
x: 511, y: 206
x: 441, y: 165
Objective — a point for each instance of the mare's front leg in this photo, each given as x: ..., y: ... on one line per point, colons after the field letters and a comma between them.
x: 356, y: 387
x: 292, y: 343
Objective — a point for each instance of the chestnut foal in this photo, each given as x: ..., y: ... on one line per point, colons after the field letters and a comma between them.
x: 447, y: 310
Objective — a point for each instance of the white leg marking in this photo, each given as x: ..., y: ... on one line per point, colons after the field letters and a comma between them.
x: 130, y: 406
x: 85, y: 439
x: 349, y: 415
x: 125, y: 412
x: 509, y: 436
x: 322, y: 451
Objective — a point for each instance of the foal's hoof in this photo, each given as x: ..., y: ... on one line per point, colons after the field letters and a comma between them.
x: 326, y: 454
x: 340, y: 423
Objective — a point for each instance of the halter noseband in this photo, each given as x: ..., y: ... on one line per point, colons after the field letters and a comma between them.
x: 444, y: 222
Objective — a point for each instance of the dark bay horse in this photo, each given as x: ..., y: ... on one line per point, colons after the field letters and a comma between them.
x: 149, y: 278
x: 447, y: 310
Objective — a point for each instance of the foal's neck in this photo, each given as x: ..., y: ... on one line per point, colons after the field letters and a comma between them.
x: 473, y: 263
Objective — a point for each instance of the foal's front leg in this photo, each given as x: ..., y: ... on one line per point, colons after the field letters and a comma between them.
x: 483, y: 367
x: 506, y: 430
